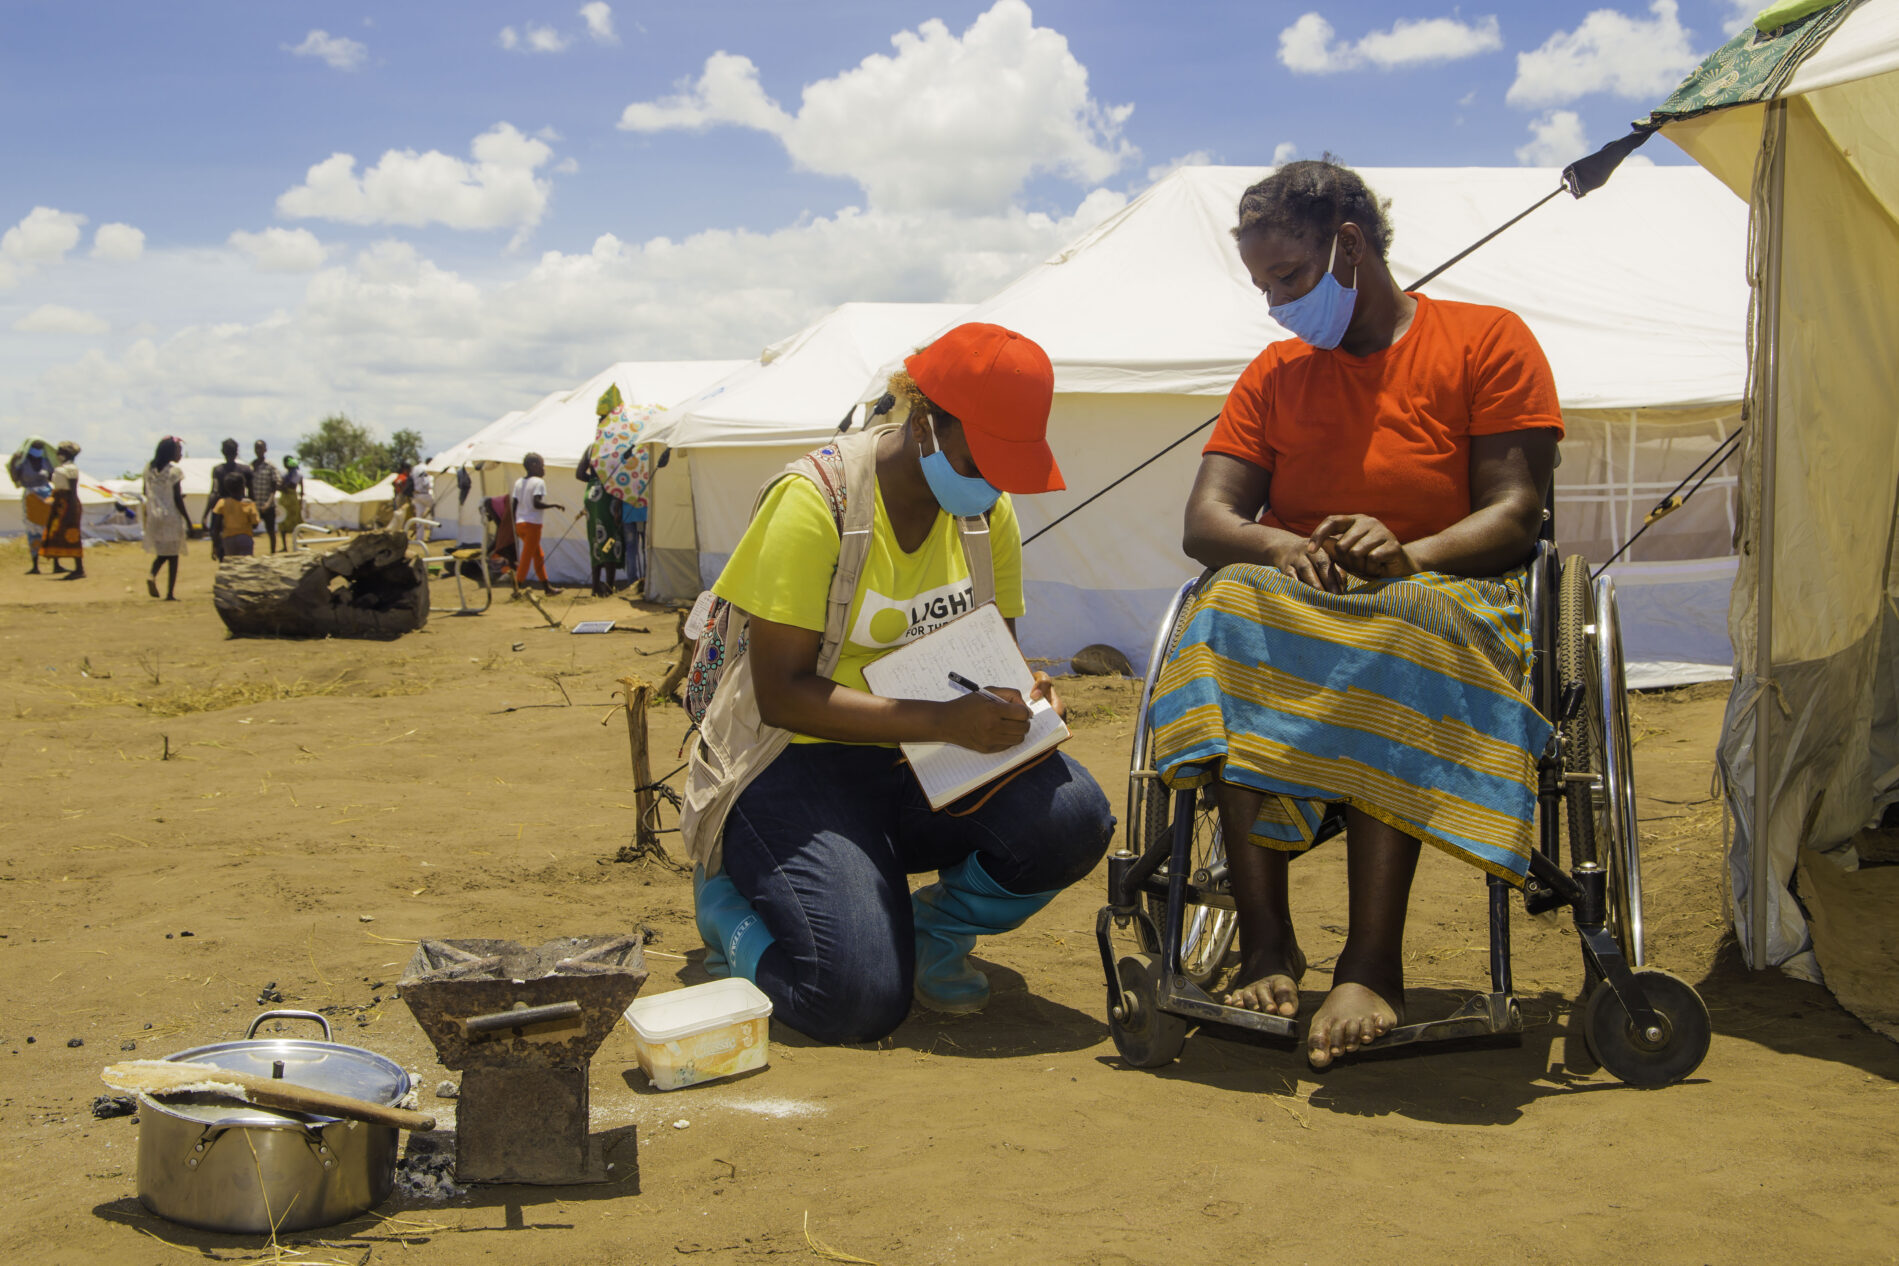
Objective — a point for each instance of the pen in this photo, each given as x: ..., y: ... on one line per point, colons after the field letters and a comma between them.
x: 964, y: 683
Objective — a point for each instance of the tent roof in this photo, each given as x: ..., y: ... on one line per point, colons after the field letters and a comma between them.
x: 1865, y: 44
x: 803, y: 385
x: 457, y: 453
x: 561, y: 426
x: 1636, y: 293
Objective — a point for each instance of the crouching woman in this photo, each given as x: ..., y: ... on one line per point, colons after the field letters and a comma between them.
x: 801, y: 816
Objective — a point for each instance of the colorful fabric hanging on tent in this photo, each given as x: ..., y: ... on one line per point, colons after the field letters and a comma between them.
x: 625, y: 464
x: 1757, y: 63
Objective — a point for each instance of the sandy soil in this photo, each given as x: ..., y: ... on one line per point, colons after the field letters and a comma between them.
x: 312, y: 785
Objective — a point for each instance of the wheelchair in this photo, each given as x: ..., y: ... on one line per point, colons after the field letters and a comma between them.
x: 1168, y: 886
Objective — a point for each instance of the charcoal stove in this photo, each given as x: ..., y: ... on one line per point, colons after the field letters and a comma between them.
x: 522, y: 1025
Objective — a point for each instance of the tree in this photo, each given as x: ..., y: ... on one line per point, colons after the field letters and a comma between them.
x: 338, y: 443
x: 347, y: 455
x: 404, y: 446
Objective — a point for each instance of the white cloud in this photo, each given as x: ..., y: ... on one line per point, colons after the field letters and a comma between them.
x: 42, y: 237
x: 533, y: 39
x: 54, y: 318
x: 410, y: 343
x: 499, y: 189
x: 945, y: 122
x: 599, y: 16
x: 1638, y: 58
x: 281, y: 250
x: 1310, y: 46
x: 120, y: 242
x: 1556, y: 140
x: 1285, y: 152
x: 339, y: 51
x: 1742, y: 12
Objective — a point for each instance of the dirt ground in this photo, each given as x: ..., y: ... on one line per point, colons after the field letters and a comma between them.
x: 324, y: 804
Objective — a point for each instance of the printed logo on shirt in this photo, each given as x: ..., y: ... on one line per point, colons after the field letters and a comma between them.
x: 884, y: 622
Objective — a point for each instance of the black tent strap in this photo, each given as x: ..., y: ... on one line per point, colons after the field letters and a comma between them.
x: 1669, y: 504
x: 1486, y: 238
x: 1123, y: 479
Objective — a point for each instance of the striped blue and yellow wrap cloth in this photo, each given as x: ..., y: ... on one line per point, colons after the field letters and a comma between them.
x: 1402, y: 698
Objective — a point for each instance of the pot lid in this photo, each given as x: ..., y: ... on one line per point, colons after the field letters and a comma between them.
x: 331, y: 1066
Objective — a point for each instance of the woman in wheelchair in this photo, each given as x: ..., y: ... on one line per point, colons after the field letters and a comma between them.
x: 1370, y: 496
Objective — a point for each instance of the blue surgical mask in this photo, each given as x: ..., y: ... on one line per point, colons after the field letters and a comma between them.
x: 962, y: 495
x: 1320, y: 315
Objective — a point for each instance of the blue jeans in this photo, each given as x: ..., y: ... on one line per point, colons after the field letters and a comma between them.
x: 820, y: 844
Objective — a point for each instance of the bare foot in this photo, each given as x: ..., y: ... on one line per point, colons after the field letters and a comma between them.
x: 1272, y: 982
x: 1351, y: 1016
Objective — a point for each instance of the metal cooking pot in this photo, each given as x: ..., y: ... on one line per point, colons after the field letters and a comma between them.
x: 223, y: 1166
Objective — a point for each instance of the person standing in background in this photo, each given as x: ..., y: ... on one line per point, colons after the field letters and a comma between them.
x: 605, y: 549
x: 401, y: 495
x: 237, y: 519
x: 530, y: 513
x: 290, y: 497
x: 229, y: 466
x: 63, y: 529
x: 423, y: 494
x: 31, y: 469
x: 264, y: 484
x: 162, y: 514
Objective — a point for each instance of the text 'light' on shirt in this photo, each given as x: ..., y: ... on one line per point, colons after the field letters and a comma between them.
x: 884, y: 622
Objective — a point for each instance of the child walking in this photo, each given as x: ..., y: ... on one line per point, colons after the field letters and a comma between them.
x: 237, y: 517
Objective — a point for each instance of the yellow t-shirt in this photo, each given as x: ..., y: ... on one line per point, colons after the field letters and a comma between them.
x: 781, y: 571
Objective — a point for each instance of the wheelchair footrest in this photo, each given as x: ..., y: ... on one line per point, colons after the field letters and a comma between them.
x: 1485, y: 1015
x: 1187, y: 1000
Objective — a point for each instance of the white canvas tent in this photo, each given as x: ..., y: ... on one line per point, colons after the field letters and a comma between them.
x: 461, y: 519
x: 560, y: 428
x: 1804, y: 122
x: 731, y: 437
x: 1149, y: 318
x: 106, y: 512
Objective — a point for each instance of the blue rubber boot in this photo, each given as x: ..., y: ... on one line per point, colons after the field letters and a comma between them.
x: 736, y: 938
x: 963, y: 904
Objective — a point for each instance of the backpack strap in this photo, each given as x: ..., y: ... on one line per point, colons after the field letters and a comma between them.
x: 974, y: 534
x: 859, y: 452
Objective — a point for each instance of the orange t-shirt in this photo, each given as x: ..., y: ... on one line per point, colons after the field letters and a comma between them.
x: 237, y: 516
x: 1387, y: 434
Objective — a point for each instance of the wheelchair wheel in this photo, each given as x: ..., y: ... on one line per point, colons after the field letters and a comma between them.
x: 1649, y: 1060
x: 1207, y: 932
x: 1596, y: 742
x: 1146, y: 1036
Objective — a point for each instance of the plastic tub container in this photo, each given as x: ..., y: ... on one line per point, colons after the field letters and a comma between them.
x: 701, y: 1033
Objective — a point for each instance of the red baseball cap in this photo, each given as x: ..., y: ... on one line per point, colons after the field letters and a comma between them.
x: 999, y: 385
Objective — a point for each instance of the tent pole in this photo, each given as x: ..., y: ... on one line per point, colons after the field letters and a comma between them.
x: 1760, y: 904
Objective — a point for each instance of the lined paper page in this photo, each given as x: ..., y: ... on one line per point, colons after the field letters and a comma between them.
x: 977, y: 646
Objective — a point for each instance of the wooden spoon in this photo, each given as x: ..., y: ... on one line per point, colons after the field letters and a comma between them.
x: 168, y: 1077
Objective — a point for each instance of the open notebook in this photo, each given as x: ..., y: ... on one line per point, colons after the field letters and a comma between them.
x: 979, y: 647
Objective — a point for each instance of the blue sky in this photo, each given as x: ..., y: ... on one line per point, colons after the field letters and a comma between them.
x: 238, y: 290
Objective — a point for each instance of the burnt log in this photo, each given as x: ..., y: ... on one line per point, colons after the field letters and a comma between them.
x: 369, y: 587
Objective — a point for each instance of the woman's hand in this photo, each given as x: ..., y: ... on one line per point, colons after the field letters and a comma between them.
x: 1045, y: 689
x: 1296, y: 558
x: 983, y: 725
x: 1362, y: 546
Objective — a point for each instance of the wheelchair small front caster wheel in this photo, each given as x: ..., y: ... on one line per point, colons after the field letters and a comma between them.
x: 1660, y: 1056
x: 1146, y: 1036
